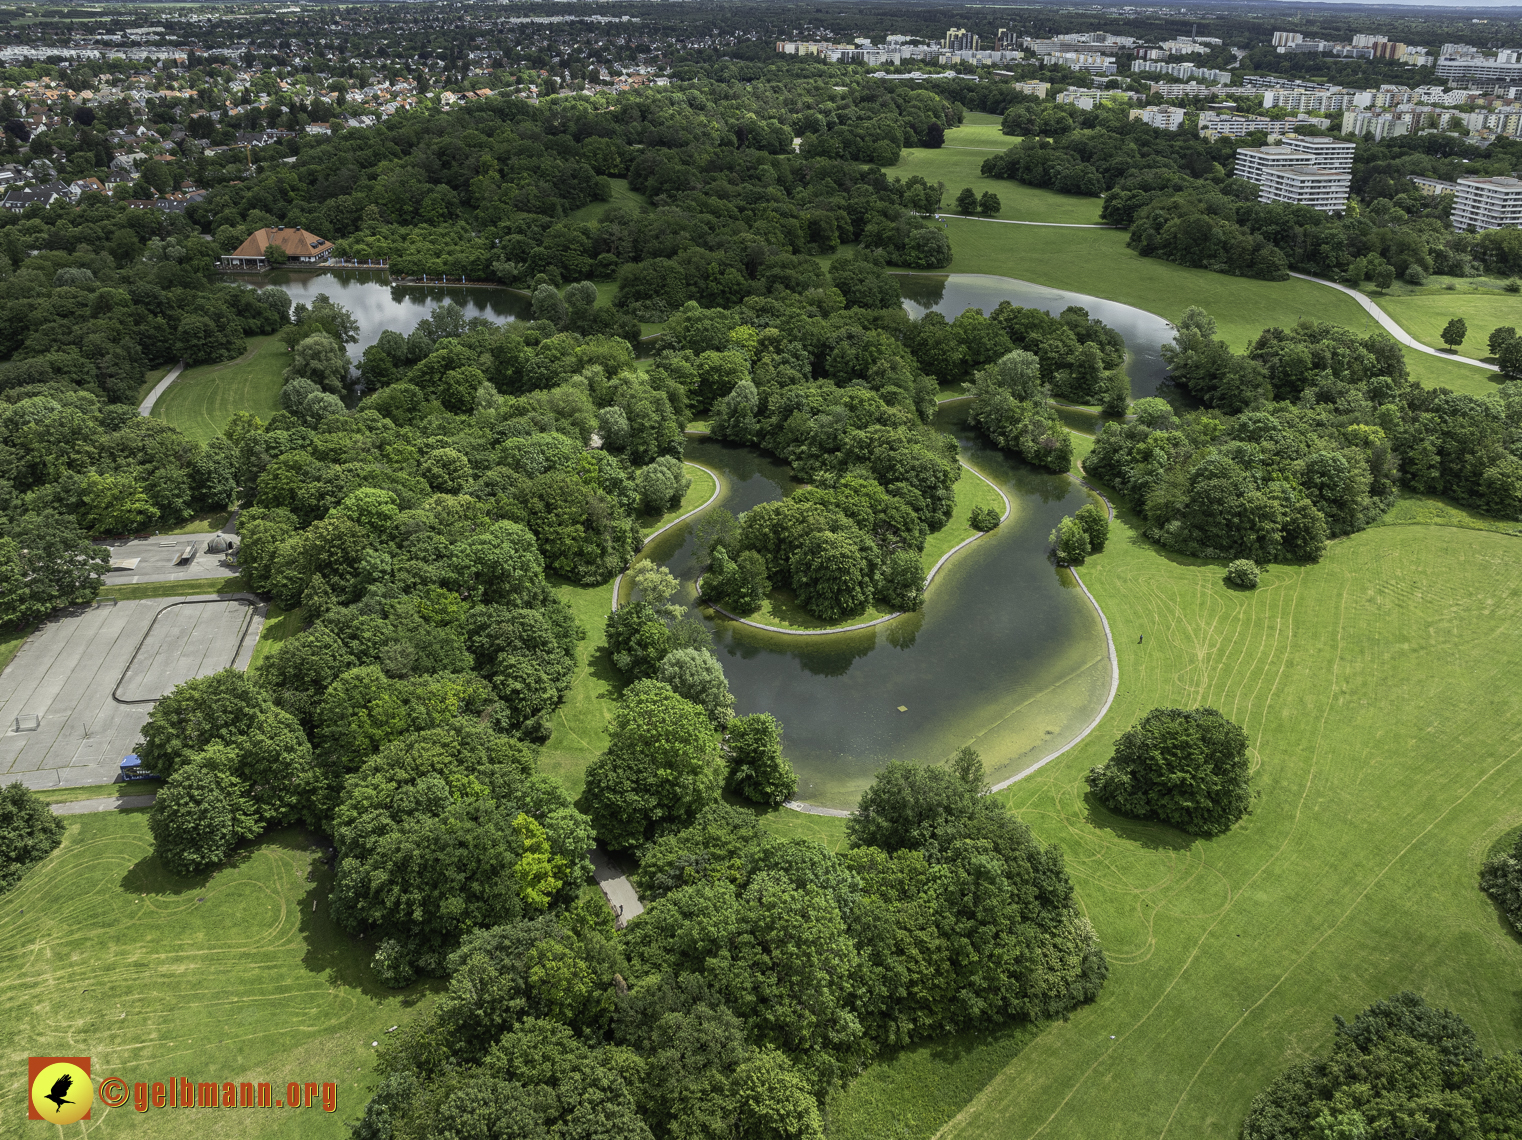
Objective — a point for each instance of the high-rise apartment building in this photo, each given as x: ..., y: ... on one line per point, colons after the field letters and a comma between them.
x: 1488, y: 203
x: 960, y: 39
x: 1283, y: 174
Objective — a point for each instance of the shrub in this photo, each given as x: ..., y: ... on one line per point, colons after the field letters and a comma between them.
x: 983, y: 518
x: 1416, y: 275
x: 29, y: 832
x: 1243, y: 573
x: 1095, y: 521
x: 1501, y: 879
x: 193, y: 821
x: 1071, y: 541
x: 1185, y: 767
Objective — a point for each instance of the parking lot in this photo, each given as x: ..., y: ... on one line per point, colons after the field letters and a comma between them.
x: 74, y: 699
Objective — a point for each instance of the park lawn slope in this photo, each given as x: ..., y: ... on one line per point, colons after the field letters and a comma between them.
x: 1425, y: 316
x: 203, y: 399
x: 1098, y: 263
x: 1379, y: 691
x: 232, y: 976
x: 960, y: 168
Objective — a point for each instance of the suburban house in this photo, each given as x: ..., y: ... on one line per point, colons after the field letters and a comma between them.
x: 18, y: 200
x: 299, y: 246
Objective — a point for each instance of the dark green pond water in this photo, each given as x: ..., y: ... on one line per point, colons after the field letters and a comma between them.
x: 1007, y: 655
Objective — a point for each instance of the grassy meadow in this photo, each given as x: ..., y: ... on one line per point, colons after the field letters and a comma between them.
x: 1425, y: 314
x: 1097, y: 262
x: 957, y: 164
x: 233, y: 976
x: 202, y: 400
x: 1378, y: 690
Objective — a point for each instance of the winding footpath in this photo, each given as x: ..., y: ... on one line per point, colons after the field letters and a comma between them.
x: 718, y: 485
x: 1391, y: 326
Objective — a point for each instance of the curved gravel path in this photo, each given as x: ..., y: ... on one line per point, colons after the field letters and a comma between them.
x: 718, y: 485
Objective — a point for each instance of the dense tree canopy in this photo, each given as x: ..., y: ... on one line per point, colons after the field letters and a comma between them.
x: 1400, y: 1068
x: 29, y: 833
x: 1185, y: 767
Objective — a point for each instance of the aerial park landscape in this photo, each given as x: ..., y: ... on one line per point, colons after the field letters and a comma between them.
x: 785, y: 646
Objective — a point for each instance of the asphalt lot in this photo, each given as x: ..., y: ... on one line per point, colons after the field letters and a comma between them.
x: 159, y: 559
x: 89, y: 676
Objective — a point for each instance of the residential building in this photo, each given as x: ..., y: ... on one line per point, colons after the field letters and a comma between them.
x: 1183, y: 90
x: 960, y: 39
x: 1032, y: 87
x: 1506, y: 121
x: 1311, y: 100
x: 1433, y: 187
x: 1487, y: 203
x: 1503, y: 66
x: 299, y: 246
x: 1091, y: 62
x: 1324, y: 190
x: 1382, y: 127
x: 1327, y: 153
x: 45, y: 195
x: 1285, y: 39
x: 1235, y: 126
x: 1164, y: 118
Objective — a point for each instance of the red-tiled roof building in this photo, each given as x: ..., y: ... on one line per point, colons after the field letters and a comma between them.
x: 300, y: 246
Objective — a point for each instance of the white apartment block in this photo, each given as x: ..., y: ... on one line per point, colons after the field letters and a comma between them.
x: 1488, y: 203
x: 1506, y: 122
x: 1235, y: 126
x: 1283, y: 175
x: 1506, y: 65
x: 1311, y: 100
x: 1164, y: 118
x: 1329, y: 154
x: 1382, y: 127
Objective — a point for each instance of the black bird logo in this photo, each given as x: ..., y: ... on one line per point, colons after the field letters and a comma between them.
x: 60, y: 1092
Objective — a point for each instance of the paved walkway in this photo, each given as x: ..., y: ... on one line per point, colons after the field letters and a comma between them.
x: 1016, y: 222
x: 158, y: 389
x: 115, y: 803
x: 616, y: 887
x: 1390, y: 324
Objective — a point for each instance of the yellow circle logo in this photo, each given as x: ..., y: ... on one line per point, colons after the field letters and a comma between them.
x: 62, y: 1093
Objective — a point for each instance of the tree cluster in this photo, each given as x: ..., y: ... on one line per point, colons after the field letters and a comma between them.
x: 1323, y: 426
x: 762, y: 975
x: 1400, y: 1068
x: 1310, y: 434
x: 1184, y: 767
x: 1501, y: 879
x: 29, y: 833
x: 96, y: 296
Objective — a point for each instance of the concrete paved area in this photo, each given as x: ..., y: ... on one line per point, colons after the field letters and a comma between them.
x: 74, y: 698
x: 159, y: 559
x: 85, y: 807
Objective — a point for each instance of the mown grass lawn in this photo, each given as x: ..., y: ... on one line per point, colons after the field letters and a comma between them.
x: 203, y: 399
x: 1379, y: 692
x: 231, y: 976
x: 1097, y: 262
x: 622, y: 196
x: 960, y: 168
x: 1425, y: 315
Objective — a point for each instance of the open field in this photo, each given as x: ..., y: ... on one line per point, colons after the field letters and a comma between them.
x: 622, y: 196
x: 959, y: 168
x: 1424, y: 316
x: 1097, y: 262
x: 1378, y: 690
x: 232, y: 976
x: 202, y: 400
x: 979, y: 131
x: 1412, y: 509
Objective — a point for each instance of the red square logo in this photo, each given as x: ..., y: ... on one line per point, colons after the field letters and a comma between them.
x: 34, y: 1068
